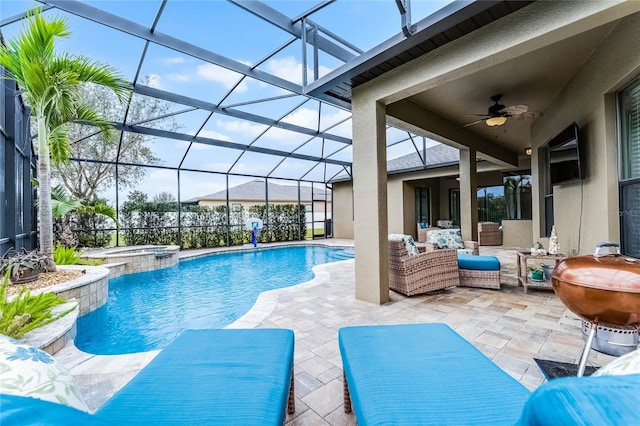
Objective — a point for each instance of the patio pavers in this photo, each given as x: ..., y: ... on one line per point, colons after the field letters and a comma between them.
x: 508, y: 326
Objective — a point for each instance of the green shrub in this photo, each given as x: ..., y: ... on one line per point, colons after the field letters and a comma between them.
x: 26, y: 312
x: 71, y: 256
x: 65, y: 256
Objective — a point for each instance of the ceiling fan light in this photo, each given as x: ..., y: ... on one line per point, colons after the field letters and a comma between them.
x: 496, y: 121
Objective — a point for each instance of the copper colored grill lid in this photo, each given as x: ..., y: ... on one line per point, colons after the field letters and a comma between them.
x: 614, y: 273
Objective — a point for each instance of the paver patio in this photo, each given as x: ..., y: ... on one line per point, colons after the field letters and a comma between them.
x: 508, y: 326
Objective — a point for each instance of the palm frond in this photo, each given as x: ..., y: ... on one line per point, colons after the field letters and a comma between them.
x: 59, y: 145
x: 88, y: 71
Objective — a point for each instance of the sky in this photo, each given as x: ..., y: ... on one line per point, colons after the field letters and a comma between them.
x: 225, y: 29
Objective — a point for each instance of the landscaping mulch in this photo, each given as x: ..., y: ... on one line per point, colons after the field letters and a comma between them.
x: 45, y: 279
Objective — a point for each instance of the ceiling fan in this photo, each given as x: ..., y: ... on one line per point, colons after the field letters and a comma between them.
x: 498, y: 114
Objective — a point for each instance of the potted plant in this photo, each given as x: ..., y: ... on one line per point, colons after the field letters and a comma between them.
x: 538, y: 248
x: 535, y: 272
x: 23, y: 266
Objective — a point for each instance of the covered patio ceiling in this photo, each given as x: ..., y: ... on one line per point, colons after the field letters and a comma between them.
x: 443, y: 108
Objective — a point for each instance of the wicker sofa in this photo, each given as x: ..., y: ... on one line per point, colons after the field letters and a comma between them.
x: 489, y: 234
x: 425, y: 272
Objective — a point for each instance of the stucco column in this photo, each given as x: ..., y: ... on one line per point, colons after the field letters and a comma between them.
x: 370, y: 201
x: 468, y: 195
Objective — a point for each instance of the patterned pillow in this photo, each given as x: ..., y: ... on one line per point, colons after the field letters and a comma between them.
x: 446, y: 238
x: 410, y: 245
x: 27, y: 371
x: 626, y: 364
x: 445, y: 224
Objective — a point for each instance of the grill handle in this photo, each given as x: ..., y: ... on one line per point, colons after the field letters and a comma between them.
x: 601, y: 249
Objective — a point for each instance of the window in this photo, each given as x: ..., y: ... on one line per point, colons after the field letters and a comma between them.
x: 629, y: 167
x: 423, y: 202
x: 236, y: 207
x: 517, y: 193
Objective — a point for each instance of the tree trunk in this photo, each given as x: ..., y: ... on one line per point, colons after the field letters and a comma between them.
x: 45, y: 215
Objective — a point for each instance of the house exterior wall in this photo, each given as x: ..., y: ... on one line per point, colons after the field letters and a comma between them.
x: 587, y: 212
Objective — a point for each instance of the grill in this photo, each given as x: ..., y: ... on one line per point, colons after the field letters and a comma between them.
x: 604, y: 290
x: 614, y: 341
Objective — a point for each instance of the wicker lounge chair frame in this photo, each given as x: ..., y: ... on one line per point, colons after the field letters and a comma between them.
x: 489, y: 234
x: 424, y: 273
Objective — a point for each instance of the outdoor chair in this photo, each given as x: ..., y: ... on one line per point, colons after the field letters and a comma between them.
x: 422, y: 374
x: 450, y: 239
x: 221, y: 376
x: 422, y: 231
x: 418, y: 273
x: 489, y: 234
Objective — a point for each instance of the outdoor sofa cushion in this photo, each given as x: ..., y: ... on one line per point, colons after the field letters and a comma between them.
x: 425, y: 374
x: 446, y: 238
x: 478, y: 263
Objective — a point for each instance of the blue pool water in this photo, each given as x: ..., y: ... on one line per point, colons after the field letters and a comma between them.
x: 147, y: 310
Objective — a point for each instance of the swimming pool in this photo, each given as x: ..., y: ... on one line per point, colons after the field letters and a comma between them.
x: 147, y: 310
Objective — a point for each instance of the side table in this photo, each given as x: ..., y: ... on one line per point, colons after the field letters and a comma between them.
x: 523, y: 278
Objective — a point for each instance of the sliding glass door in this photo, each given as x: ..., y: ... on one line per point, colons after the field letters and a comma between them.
x: 629, y: 166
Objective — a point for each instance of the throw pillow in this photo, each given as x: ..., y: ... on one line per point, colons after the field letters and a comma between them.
x: 626, y: 364
x: 28, y: 371
x: 446, y: 238
x: 412, y: 249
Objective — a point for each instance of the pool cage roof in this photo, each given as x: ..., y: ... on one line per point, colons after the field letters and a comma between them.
x: 231, y: 78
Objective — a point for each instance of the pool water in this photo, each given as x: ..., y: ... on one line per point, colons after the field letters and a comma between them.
x: 147, y: 310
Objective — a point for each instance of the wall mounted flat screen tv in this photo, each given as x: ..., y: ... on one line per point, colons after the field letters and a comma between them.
x: 566, y: 157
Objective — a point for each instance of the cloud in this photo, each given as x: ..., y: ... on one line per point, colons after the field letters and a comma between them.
x: 243, y: 128
x: 221, y: 75
x: 215, y: 135
x: 252, y: 168
x: 173, y: 60
x: 290, y: 69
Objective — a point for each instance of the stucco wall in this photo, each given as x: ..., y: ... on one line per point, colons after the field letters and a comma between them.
x: 343, y: 210
x: 586, y: 212
x: 517, y: 233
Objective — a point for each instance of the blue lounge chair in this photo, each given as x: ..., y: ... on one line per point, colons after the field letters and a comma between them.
x: 203, y: 377
x: 421, y: 374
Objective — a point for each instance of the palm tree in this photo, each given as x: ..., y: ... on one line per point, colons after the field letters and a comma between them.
x: 62, y: 205
x: 50, y: 84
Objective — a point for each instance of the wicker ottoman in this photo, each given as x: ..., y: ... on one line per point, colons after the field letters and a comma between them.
x: 479, y: 271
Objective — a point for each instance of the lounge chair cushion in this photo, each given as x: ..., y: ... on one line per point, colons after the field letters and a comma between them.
x: 605, y: 400
x: 23, y: 410
x: 478, y: 263
x: 210, y: 377
x: 425, y: 374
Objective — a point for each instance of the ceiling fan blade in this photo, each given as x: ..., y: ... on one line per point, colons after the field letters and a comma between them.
x: 515, y: 109
x: 474, y: 122
x: 531, y: 114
